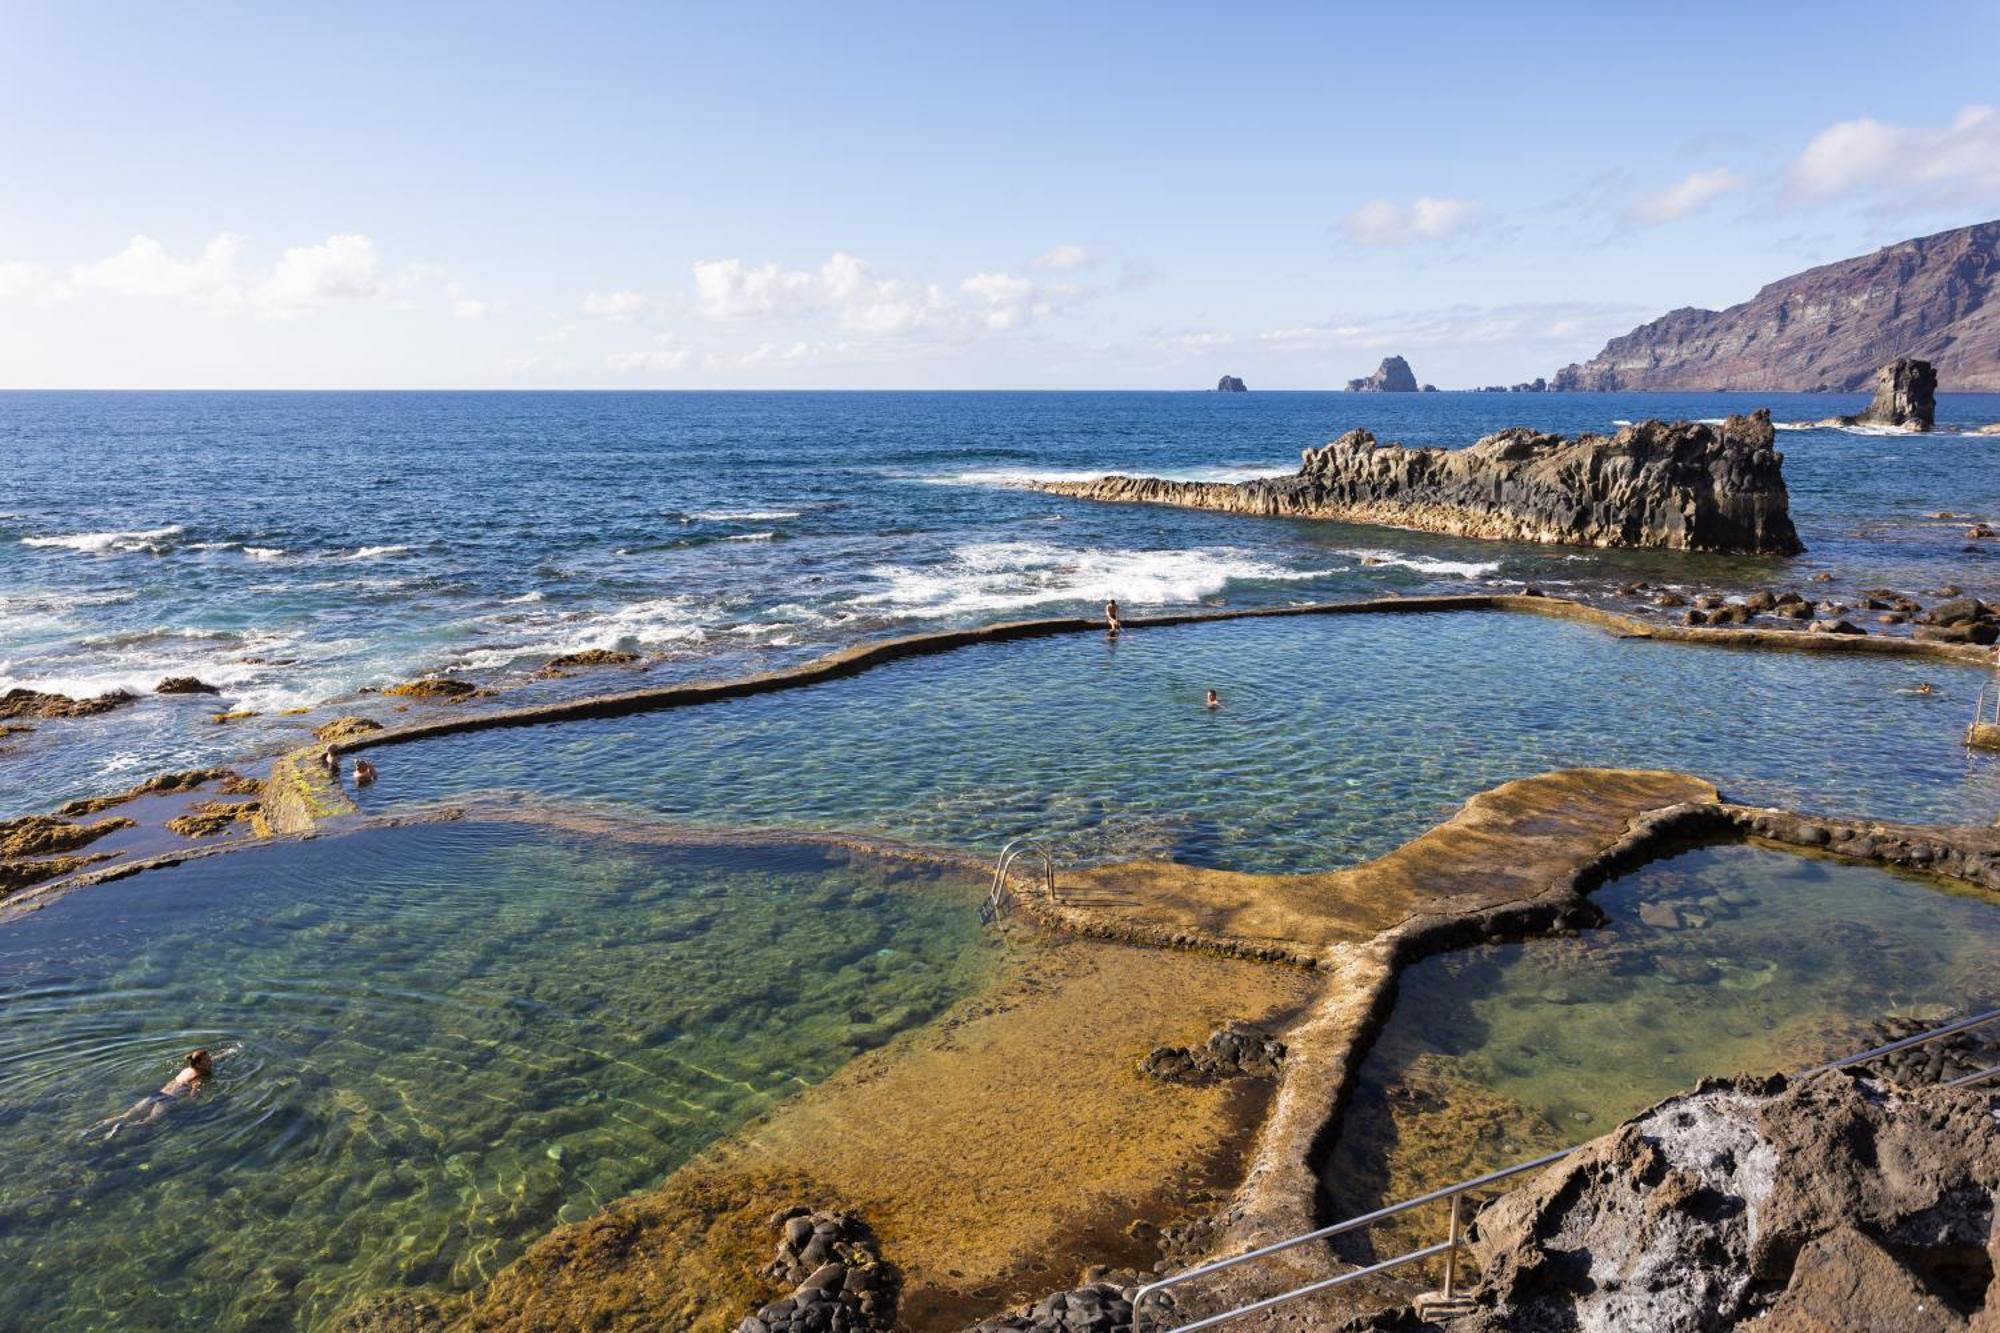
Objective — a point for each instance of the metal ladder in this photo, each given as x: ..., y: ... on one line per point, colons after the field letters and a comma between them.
x: 1026, y: 844
x: 1449, y: 1246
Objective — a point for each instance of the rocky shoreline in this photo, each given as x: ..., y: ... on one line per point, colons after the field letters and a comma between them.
x: 1684, y: 486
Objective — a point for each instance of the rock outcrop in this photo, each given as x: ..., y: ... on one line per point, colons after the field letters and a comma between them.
x: 1392, y: 376
x: 562, y: 663
x: 442, y: 689
x: 1670, y: 485
x: 1231, y: 384
x: 1935, y: 297
x: 1834, y: 1203
x: 1905, y: 396
x: 184, y: 685
x: 34, y: 703
x: 1234, y: 1050
x: 839, y: 1282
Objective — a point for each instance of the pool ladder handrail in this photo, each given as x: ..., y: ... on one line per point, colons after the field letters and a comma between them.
x: 1456, y: 1194
x: 1011, y: 851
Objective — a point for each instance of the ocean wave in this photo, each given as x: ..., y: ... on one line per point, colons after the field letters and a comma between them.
x: 1002, y: 576
x: 373, y: 552
x: 264, y: 552
x: 1225, y: 472
x: 743, y: 515
x: 751, y: 537
x: 153, y: 540
x: 1465, y: 569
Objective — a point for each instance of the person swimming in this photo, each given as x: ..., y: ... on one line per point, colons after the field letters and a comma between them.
x: 364, y: 773
x: 198, y: 1069
x: 1212, y: 702
x: 329, y: 759
x: 1111, y: 625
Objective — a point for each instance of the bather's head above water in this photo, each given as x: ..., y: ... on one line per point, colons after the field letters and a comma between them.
x: 201, y: 1063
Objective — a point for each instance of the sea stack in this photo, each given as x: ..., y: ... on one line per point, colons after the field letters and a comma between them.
x: 1679, y: 486
x: 1231, y: 384
x: 1905, y: 396
x: 1392, y: 376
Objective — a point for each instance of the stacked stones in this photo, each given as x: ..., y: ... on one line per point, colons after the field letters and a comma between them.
x: 1234, y: 1050
x: 1099, y: 1307
x: 840, y: 1284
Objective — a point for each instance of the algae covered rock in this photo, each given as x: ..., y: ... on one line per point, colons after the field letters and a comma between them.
x: 35, y: 703
x: 589, y: 657
x: 345, y: 729
x: 439, y: 689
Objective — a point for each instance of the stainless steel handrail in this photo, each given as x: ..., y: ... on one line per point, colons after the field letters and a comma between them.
x: 1011, y: 851
x: 1456, y: 1192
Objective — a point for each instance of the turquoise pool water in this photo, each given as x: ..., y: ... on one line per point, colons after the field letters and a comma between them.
x: 1339, y: 738
x: 452, y: 1038
x: 1752, y: 961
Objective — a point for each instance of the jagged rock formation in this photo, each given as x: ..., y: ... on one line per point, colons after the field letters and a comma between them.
x: 1234, y: 1050
x: 1905, y: 396
x: 1835, y: 1203
x: 1231, y: 384
x: 1935, y: 297
x: 1673, y: 485
x: 1392, y: 376
x: 34, y: 703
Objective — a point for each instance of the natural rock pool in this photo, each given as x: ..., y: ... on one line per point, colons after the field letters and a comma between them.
x: 453, y: 1036
x: 1722, y: 960
x: 1340, y: 737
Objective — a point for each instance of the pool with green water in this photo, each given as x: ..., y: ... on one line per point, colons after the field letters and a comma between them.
x: 1339, y: 738
x: 1722, y: 960
x: 453, y: 1037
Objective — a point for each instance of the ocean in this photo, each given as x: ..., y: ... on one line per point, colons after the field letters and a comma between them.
x: 296, y: 549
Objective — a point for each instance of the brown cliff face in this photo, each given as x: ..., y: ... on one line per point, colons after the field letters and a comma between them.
x: 1670, y: 485
x: 1935, y: 297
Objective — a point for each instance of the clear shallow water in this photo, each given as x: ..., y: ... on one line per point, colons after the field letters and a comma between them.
x: 453, y: 1037
x: 1496, y: 1054
x: 1340, y: 738
x: 294, y: 548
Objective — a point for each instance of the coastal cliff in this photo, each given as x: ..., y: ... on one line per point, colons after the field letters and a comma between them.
x: 1828, y: 328
x: 1669, y: 485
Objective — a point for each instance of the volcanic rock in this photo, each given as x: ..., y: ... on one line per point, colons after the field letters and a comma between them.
x: 44, y: 835
x: 1831, y: 327
x: 839, y: 1280
x: 345, y: 729
x: 589, y: 657
x: 34, y: 703
x: 1234, y: 1050
x: 1392, y: 376
x: 1753, y: 1196
x: 184, y: 685
x: 1231, y: 384
x: 1905, y: 396
x: 1674, y: 485
x: 440, y: 688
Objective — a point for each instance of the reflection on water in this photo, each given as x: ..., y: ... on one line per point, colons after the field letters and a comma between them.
x: 1340, y: 737
x: 1718, y: 961
x: 453, y: 1037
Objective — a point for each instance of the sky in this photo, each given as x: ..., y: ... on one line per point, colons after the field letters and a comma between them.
x: 943, y: 195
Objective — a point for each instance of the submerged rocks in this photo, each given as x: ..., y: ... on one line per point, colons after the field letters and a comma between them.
x: 46, y: 835
x: 1234, y: 1050
x: 589, y: 657
x: 839, y: 1279
x: 1754, y: 1197
x: 1392, y: 376
x: 1678, y: 485
x: 212, y: 817
x: 1231, y: 384
x: 230, y: 783
x: 1905, y: 396
x: 34, y: 703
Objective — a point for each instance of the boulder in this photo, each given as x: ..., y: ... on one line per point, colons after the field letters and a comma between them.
x: 345, y: 729
x: 1392, y: 376
x: 1905, y: 396
x: 1682, y: 485
x: 1231, y: 384
x: 442, y: 689
x: 184, y: 685
x: 1234, y: 1050
x: 34, y: 703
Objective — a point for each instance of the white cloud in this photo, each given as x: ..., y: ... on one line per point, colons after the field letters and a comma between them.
x: 308, y: 277
x: 22, y: 281
x: 1380, y: 222
x: 1552, y: 324
x: 665, y: 357
x: 730, y: 289
x: 144, y: 268
x: 615, y: 305
x: 1064, y: 258
x: 1686, y: 196
x: 464, y: 306
x: 1864, y: 154
x: 848, y: 292
x: 1007, y: 302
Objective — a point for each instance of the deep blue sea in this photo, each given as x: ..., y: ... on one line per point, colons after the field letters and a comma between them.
x: 295, y: 548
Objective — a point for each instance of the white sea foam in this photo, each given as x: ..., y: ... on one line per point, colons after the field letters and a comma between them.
x: 372, y: 552
x: 1227, y: 472
x: 526, y: 597
x: 147, y: 539
x: 1465, y: 569
x: 264, y: 552
x: 743, y: 515
x: 751, y: 537
x: 1002, y: 576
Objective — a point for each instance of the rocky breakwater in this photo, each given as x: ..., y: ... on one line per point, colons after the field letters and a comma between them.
x: 1679, y: 485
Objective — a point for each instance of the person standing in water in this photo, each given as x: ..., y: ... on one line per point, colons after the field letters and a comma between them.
x: 1111, y: 619
x: 1212, y: 702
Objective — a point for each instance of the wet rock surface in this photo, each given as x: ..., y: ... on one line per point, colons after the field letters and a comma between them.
x: 1749, y: 1197
x: 838, y: 1279
x: 345, y: 729
x: 1672, y: 485
x: 184, y: 685
x: 34, y: 703
x: 438, y: 689
x: 588, y: 658
x: 1234, y: 1050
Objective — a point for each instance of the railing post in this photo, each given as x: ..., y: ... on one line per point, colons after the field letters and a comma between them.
x: 1451, y: 1255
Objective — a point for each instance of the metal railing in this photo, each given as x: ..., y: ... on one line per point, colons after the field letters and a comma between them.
x: 1027, y: 844
x: 1455, y: 1194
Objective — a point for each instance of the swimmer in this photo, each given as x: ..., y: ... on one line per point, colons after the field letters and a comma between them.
x: 1111, y: 619
x: 364, y: 773
x: 329, y: 759
x: 200, y: 1067
x: 1921, y: 687
x: 1213, y: 702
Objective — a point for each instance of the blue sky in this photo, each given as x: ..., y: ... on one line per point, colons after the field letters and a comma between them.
x: 943, y: 195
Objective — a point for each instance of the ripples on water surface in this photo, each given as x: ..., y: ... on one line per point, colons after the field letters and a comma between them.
x: 454, y: 1037
x: 292, y: 548
x: 1340, y: 738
